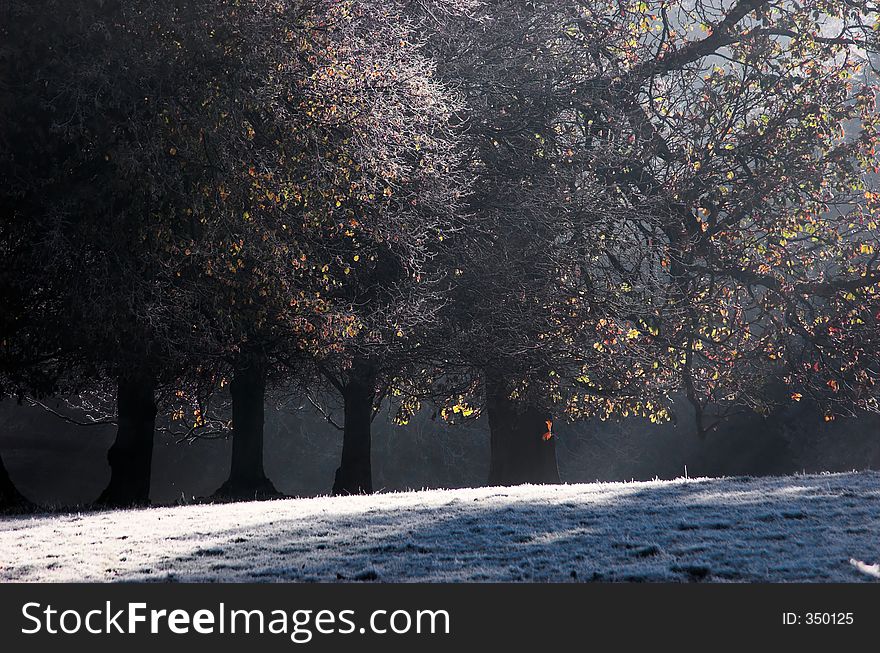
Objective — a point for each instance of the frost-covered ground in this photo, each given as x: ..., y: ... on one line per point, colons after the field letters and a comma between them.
x: 804, y: 528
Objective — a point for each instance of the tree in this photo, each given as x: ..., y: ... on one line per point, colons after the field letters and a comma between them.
x: 90, y: 204
x: 322, y: 218
x: 667, y: 201
x: 553, y: 259
x: 393, y: 198
x: 272, y: 143
x: 736, y: 128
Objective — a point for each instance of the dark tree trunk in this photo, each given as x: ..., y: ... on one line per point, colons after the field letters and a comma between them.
x: 247, y: 480
x: 131, y: 455
x: 10, y: 497
x: 355, y: 475
x: 520, y: 452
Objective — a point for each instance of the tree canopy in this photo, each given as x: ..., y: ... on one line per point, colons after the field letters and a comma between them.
x: 534, y: 211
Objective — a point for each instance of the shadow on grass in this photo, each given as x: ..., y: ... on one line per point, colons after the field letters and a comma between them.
x: 739, y: 530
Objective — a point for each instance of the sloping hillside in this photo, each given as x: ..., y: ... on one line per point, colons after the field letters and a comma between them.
x: 803, y: 528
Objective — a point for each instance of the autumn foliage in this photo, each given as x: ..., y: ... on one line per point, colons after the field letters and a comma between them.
x: 548, y: 210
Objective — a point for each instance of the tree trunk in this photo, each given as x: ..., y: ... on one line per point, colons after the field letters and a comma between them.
x: 247, y: 480
x: 521, y: 452
x: 355, y: 475
x: 131, y: 455
x: 10, y: 497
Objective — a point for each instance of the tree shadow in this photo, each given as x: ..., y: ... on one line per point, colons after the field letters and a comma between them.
x: 730, y: 530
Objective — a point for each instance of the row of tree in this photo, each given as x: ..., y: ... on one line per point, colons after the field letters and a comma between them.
x: 528, y: 210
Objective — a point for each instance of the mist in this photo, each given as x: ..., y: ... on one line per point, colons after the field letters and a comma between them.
x: 57, y: 464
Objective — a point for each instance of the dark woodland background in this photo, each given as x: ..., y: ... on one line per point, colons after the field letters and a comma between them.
x: 54, y: 463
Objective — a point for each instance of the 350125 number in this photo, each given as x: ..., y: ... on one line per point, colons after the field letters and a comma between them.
x: 828, y: 618
x: 818, y: 618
